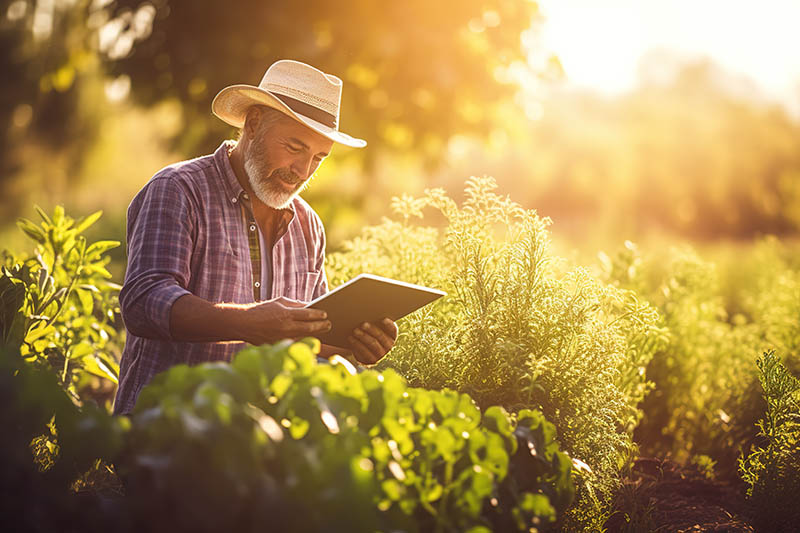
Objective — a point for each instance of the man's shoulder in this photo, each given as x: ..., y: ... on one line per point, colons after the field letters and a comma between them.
x: 305, y: 211
x: 187, y: 171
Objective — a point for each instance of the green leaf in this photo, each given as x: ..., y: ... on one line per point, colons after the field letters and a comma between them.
x: 298, y: 428
x: 32, y: 230
x: 87, y: 301
x: 95, y: 366
x: 43, y: 215
x: 39, y: 332
x: 100, y: 247
x: 80, y: 350
x: 539, y: 506
x: 87, y: 221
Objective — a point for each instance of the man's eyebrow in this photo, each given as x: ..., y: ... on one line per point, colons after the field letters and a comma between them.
x: 304, y: 145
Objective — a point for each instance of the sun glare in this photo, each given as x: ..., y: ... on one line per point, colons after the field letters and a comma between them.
x: 601, y: 45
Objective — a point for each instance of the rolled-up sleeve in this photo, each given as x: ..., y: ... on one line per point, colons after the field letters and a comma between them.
x: 160, y: 242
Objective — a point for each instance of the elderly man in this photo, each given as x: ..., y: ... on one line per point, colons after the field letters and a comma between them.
x: 221, y: 249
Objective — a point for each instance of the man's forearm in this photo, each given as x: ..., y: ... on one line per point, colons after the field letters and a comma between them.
x: 193, y: 319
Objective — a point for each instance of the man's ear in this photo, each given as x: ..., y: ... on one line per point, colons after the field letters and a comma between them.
x: 252, y: 120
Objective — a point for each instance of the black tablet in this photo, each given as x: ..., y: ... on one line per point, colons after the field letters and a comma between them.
x: 369, y: 298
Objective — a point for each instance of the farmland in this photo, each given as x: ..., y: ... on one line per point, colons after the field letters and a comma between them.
x: 529, y: 397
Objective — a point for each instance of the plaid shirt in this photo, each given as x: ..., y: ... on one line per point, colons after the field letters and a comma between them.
x: 189, y: 231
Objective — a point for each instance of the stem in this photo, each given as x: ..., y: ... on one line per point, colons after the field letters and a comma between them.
x: 448, y: 478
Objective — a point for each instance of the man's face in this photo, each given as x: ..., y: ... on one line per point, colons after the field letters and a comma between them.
x: 281, y: 157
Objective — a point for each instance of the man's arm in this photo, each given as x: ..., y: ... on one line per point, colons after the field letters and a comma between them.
x: 193, y: 319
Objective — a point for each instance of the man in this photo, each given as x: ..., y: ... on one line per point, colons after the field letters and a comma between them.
x: 221, y: 249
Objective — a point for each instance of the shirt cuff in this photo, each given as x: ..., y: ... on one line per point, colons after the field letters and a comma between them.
x: 159, y: 307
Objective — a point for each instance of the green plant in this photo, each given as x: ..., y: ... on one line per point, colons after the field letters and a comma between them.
x: 515, y: 330
x: 276, y: 440
x: 37, y: 491
x: 59, y: 308
x: 772, y: 468
x: 705, y: 396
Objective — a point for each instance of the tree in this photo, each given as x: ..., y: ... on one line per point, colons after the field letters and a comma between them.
x: 415, y: 72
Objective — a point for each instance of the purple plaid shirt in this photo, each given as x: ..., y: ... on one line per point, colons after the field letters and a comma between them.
x: 187, y: 234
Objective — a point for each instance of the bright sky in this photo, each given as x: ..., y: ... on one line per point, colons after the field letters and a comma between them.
x: 600, y: 43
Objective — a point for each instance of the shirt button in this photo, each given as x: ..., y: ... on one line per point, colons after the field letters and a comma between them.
x: 233, y: 200
x: 252, y: 227
x: 257, y: 284
x: 245, y: 196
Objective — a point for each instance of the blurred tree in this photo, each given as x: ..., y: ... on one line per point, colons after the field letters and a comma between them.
x: 52, y: 78
x: 415, y: 72
x: 691, y: 152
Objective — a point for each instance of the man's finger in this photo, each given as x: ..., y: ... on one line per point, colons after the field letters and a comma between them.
x: 372, y: 343
x: 305, y: 314
x: 305, y: 328
x: 360, y: 351
x: 390, y: 327
x: 384, y: 341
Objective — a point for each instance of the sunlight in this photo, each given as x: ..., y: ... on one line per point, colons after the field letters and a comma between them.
x: 600, y: 46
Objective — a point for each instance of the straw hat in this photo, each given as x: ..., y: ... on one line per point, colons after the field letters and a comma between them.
x: 299, y: 90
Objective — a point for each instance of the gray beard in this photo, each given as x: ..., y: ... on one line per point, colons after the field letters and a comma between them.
x: 268, y: 189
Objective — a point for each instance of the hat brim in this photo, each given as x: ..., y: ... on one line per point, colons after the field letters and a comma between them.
x: 231, y: 105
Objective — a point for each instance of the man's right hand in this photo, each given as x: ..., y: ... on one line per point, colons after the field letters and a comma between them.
x: 283, y: 318
x: 194, y: 319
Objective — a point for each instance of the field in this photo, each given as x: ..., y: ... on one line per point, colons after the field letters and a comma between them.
x: 539, y: 393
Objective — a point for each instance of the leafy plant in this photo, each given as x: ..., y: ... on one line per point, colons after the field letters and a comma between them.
x: 705, y: 400
x: 515, y: 330
x: 772, y: 468
x: 37, y: 495
x: 276, y: 440
x: 59, y: 308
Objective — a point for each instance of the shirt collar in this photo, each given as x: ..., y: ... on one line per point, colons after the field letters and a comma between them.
x: 232, y: 185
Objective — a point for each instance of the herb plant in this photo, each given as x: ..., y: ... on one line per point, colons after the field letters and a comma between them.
x: 517, y: 329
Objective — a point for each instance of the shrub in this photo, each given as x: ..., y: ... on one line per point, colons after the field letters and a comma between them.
x: 59, y: 308
x: 772, y: 469
x: 514, y: 330
x: 38, y: 495
x: 706, y: 397
x: 764, y: 290
x: 276, y: 441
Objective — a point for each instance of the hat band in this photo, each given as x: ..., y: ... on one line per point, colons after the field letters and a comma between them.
x: 307, y: 110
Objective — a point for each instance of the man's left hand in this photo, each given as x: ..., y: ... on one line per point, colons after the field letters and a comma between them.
x: 371, y: 341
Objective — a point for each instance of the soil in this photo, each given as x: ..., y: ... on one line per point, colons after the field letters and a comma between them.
x: 663, y: 496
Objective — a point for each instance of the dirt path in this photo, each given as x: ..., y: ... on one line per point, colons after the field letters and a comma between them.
x: 663, y: 496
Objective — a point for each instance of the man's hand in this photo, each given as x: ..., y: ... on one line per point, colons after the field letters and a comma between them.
x: 283, y: 318
x: 370, y: 342
x: 193, y: 319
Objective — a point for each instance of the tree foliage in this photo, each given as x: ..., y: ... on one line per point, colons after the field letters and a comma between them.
x: 414, y: 72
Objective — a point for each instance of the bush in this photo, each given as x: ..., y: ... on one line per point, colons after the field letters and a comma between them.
x: 59, y: 309
x: 718, y: 315
x: 514, y: 330
x: 38, y: 495
x: 275, y: 440
x: 772, y: 469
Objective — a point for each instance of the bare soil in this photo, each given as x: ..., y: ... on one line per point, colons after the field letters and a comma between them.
x: 663, y: 496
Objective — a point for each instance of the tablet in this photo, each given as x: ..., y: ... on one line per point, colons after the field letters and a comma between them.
x: 369, y: 298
